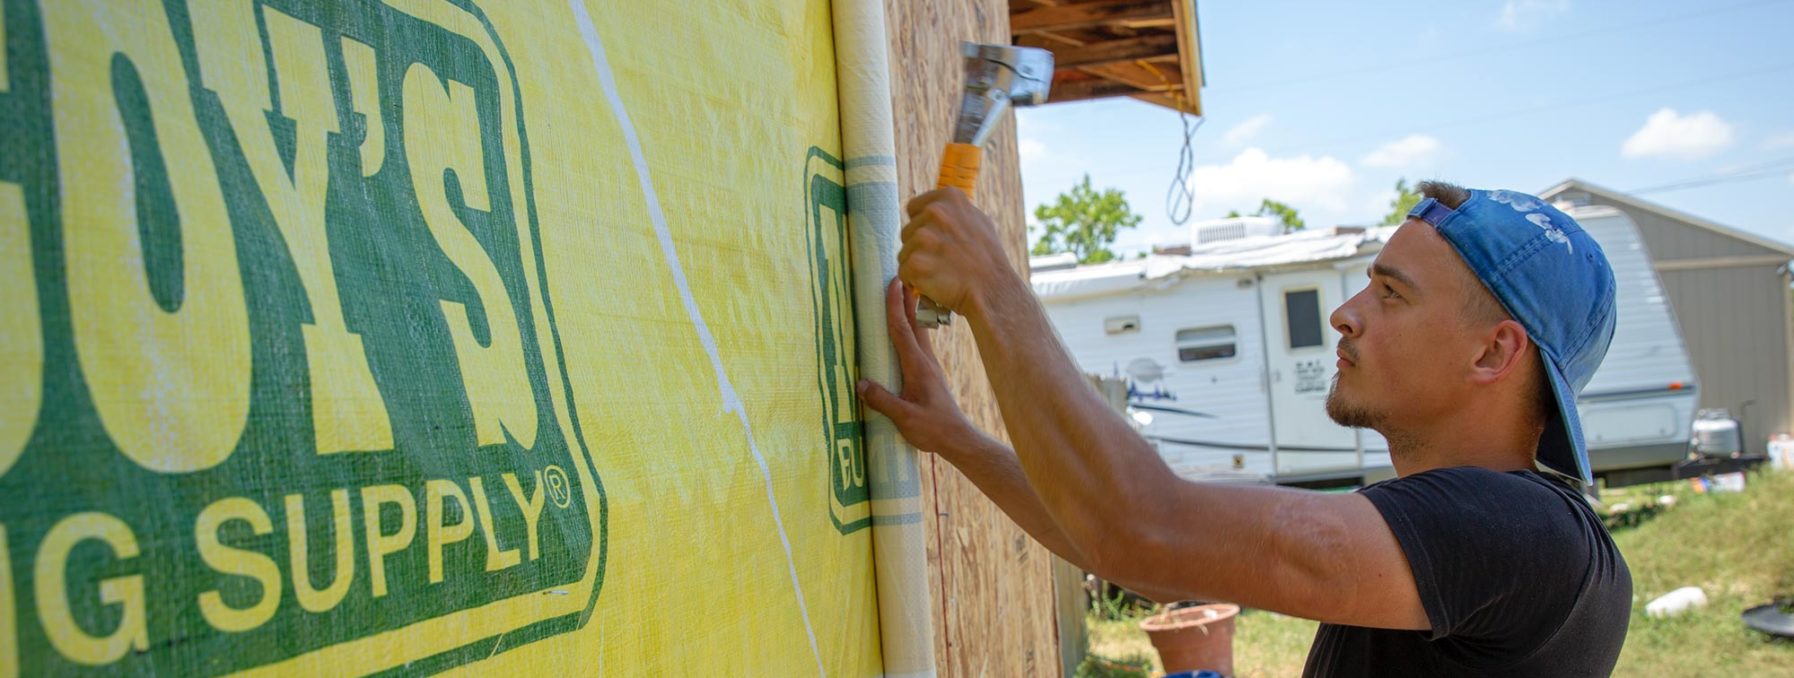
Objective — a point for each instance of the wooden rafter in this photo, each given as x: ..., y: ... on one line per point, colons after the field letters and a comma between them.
x: 1093, y: 88
x: 1089, y: 15
x: 1145, y: 49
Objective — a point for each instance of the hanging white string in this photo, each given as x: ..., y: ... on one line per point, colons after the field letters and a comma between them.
x: 1180, y: 198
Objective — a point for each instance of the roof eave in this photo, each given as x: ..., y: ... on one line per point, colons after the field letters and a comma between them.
x: 1661, y: 210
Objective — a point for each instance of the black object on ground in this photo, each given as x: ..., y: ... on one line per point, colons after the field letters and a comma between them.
x: 1776, y: 619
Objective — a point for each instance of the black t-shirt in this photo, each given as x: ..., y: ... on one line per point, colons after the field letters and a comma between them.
x: 1516, y: 572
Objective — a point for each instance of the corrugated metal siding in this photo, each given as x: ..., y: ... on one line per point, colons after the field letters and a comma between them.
x: 1733, y: 320
x: 1670, y: 239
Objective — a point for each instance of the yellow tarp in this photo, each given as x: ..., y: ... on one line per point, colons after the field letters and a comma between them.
x: 415, y: 335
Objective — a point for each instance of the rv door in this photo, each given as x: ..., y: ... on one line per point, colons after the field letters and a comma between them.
x: 1299, y: 361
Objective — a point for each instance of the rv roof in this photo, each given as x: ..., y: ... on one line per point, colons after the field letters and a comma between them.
x: 1226, y: 256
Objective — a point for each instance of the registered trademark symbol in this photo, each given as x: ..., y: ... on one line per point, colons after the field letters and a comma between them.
x: 559, y: 489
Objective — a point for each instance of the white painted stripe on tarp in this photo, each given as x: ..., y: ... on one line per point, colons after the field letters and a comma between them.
x: 731, y: 401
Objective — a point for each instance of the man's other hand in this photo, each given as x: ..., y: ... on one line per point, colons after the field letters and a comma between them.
x: 925, y: 413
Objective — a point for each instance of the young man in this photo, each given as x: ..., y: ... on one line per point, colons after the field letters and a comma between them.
x: 1486, y: 313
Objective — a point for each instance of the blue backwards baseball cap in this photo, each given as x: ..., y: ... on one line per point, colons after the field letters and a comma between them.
x: 1554, y: 280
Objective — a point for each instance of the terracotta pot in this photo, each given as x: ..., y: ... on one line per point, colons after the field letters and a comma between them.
x: 1193, y: 638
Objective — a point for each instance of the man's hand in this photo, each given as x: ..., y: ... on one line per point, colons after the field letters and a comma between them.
x: 951, y: 252
x: 928, y: 418
x: 925, y: 414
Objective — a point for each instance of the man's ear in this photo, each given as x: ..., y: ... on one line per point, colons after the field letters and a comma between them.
x: 1504, y: 349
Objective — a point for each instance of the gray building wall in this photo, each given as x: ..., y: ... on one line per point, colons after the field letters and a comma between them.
x: 1672, y: 239
x: 1734, y: 318
x: 1734, y: 323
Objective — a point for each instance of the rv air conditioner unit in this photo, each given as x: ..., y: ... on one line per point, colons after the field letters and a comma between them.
x: 1235, y: 228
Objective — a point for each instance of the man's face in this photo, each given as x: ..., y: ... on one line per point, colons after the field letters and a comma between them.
x: 1406, y: 350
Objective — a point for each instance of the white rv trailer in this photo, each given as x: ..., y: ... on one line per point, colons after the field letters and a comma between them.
x: 1230, y: 353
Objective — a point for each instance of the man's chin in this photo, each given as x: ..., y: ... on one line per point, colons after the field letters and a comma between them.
x: 1346, y: 413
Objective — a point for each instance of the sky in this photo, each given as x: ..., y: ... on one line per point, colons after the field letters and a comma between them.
x: 1324, y: 105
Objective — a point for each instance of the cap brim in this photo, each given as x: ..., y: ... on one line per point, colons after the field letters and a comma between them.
x: 1561, y: 448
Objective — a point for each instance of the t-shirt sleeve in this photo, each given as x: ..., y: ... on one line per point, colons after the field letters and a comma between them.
x: 1492, y: 553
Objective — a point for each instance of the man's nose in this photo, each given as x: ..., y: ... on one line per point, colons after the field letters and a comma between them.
x: 1345, y: 318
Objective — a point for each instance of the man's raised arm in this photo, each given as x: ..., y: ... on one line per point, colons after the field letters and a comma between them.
x: 1106, y: 491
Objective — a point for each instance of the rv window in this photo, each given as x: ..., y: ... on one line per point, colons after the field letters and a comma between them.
x: 1303, y: 309
x: 1205, y: 343
x: 1121, y: 324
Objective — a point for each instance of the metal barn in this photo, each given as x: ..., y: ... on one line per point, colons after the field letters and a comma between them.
x: 1730, y: 292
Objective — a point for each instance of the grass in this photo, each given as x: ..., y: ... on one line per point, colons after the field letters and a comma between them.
x: 1738, y: 547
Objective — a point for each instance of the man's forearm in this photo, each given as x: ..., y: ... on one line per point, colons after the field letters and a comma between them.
x: 1104, y: 487
x: 994, y: 468
x: 1081, y: 458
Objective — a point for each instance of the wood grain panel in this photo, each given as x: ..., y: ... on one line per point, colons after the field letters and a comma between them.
x: 994, y: 610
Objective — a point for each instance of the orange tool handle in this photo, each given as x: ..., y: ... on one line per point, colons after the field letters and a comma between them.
x: 959, y: 167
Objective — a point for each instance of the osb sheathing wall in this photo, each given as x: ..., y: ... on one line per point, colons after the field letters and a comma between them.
x: 994, y: 604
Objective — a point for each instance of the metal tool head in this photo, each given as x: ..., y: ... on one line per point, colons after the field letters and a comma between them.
x: 997, y: 77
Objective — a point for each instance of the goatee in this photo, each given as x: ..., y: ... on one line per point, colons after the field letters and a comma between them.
x: 1347, y: 414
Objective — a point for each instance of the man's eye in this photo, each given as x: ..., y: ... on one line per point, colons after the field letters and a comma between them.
x: 1389, y: 293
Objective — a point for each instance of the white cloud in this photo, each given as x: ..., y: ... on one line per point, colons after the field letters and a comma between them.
x: 1239, y: 134
x: 1032, y: 150
x: 1378, y: 203
x: 1791, y: 177
x: 1414, y: 150
x: 1303, y: 181
x: 1784, y: 140
x: 1519, y: 15
x: 1668, y: 133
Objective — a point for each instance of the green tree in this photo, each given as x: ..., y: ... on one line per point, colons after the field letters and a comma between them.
x: 1284, y: 213
x: 1405, y: 199
x: 1083, y: 221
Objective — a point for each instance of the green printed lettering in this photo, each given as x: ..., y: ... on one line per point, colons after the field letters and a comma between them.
x: 442, y: 147
x: 437, y: 531
x: 21, y: 383
x: 230, y: 325
x: 51, y: 578
x: 155, y: 295
x: 531, y: 505
x: 299, y: 553
x: 235, y: 561
x: 364, y: 98
x: 347, y: 411
x: 380, y: 542
x: 496, y: 558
